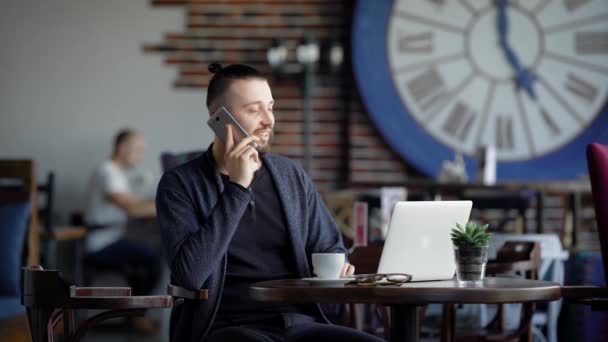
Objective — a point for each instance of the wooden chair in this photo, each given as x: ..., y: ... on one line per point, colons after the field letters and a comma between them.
x: 340, y: 204
x: 48, y: 229
x: 52, y: 235
x: 180, y: 295
x: 18, y: 186
x: 514, y: 258
x: 49, y: 299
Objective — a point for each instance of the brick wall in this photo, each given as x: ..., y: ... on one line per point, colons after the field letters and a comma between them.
x: 346, y: 148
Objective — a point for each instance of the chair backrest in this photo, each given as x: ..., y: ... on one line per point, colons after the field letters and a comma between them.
x: 340, y: 204
x: 597, y: 159
x: 46, y: 197
x: 170, y: 160
x: 18, y: 185
x: 44, y: 288
x: 523, y: 257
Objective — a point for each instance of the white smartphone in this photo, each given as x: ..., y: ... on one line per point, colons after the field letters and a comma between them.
x: 220, y: 119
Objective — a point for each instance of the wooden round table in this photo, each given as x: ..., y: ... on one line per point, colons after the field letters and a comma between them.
x: 405, y: 299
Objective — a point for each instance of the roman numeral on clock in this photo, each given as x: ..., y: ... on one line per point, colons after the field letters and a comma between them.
x: 573, y: 5
x: 549, y: 121
x: 428, y: 89
x: 416, y: 43
x: 459, y: 121
x: 591, y: 42
x: 504, y: 132
x: 581, y: 88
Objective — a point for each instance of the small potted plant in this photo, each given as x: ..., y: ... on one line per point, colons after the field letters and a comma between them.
x: 470, y: 251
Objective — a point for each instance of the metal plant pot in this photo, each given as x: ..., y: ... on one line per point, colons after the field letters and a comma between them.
x: 470, y: 263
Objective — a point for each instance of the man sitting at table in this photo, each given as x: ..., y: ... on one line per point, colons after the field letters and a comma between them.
x: 110, y: 203
x: 238, y: 215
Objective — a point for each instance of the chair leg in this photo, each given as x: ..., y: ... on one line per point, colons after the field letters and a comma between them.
x: 54, y: 319
x: 421, y: 316
x: 352, y: 316
x: 537, y: 334
x: 502, y: 320
x: 528, y: 312
x: 385, y: 317
x: 69, y: 324
x: 38, y: 320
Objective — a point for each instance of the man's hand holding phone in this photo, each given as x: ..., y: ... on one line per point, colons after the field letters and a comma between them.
x: 242, y: 160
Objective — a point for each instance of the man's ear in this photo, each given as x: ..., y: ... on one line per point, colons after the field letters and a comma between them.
x: 215, y: 105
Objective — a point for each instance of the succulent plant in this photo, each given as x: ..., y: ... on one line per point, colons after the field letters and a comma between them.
x: 472, y: 235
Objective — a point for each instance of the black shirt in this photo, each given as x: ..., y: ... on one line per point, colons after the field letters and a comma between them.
x: 260, y: 250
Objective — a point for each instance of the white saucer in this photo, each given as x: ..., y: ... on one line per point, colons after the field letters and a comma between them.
x: 326, y: 281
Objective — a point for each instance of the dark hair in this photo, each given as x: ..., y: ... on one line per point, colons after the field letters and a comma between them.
x: 122, y: 136
x: 222, y: 78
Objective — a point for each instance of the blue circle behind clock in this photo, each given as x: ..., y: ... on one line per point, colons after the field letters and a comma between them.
x: 401, y: 131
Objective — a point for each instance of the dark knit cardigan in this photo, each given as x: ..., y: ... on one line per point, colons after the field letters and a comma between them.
x: 198, y: 216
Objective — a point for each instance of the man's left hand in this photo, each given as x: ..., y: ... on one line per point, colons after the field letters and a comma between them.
x: 348, y: 270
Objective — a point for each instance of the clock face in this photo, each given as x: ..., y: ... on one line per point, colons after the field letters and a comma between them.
x: 528, y: 77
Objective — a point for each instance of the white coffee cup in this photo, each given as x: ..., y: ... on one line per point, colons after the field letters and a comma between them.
x: 328, y: 265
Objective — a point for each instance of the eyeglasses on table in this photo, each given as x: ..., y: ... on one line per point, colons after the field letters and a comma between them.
x: 381, y: 279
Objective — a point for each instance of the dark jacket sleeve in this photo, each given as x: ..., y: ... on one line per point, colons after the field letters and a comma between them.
x: 324, y: 235
x: 195, y: 243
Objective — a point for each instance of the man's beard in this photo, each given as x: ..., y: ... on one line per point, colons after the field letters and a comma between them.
x: 266, y: 148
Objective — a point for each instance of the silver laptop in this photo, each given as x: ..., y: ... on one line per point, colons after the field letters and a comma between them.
x: 418, y: 240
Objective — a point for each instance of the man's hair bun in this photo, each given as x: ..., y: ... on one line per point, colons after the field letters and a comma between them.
x: 214, y: 68
x: 224, y: 76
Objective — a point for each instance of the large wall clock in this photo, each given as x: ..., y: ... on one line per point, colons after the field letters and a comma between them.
x: 528, y: 77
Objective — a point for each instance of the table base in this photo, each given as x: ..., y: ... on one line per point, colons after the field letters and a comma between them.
x: 404, y: 322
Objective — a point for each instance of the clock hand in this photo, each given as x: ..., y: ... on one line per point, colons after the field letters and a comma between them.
x: 503, y: 23
x: 523, y: 77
